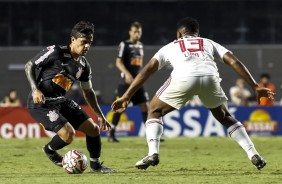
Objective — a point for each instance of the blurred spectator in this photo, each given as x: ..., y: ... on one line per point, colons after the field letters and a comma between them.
x: 265, y: 82
x: 11, y: 100
x: 4, y: 102
x: 239, y: 94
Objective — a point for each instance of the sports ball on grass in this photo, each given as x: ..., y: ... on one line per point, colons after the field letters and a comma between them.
x: 75, y: 162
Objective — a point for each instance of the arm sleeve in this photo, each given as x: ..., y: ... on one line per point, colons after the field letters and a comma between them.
x: 160, y: 56
x: 43, y: 57
x: 121, y: 50
x: 219, y: 51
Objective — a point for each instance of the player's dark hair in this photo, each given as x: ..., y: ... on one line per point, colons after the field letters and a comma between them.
x: 190, y: 25
x: 82, y: 28
x: 135, y: 24
x: 265, y: 75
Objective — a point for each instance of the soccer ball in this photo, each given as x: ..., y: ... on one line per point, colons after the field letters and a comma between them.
x: 74, y: 162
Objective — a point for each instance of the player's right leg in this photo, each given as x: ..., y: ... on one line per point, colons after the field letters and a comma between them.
x: 154, y: 131
x: 63, y: 138
x: 52, y: 120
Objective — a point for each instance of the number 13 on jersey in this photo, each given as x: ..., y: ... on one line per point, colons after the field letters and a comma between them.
x: 191, y: 45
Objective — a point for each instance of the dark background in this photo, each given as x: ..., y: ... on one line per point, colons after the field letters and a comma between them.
x: 251, y: 29
x: 36, y: 23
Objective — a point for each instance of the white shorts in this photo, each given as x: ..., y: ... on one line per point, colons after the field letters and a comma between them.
x: 177, y: 93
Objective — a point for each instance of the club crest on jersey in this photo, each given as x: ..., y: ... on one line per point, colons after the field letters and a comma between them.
x: 79, y: 72
x: 53, y: 116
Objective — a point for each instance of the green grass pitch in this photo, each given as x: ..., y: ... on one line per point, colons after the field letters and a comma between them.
x: 183, y: 160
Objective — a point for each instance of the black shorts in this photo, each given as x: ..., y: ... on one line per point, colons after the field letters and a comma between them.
x: 141, y: 96
x: 54, y: 114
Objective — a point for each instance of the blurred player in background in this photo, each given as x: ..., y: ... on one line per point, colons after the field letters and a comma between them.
x: 194, y: 73
x: 129, y: 62
x: 239, y: 94
x: 265, y: 82
x: 51, y: 74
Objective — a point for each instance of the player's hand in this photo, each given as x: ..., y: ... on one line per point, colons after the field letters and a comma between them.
x: 264, y: 92
x: 38, y: 97
x: 128, y: 79
x: 104, y: 124
x: 119, y: 105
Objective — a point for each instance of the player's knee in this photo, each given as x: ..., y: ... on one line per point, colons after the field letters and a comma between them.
x: 69, y: 137
x: 95, y: 132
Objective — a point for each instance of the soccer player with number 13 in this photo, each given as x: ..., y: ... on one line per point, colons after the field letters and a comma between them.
x: 193, y: 59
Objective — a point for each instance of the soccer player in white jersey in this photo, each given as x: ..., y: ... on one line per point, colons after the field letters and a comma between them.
x: 193, y: 59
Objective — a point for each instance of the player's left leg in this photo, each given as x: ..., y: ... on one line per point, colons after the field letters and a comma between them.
x: 93, y: 143
x: 238, y: 132
x: 214, y: 98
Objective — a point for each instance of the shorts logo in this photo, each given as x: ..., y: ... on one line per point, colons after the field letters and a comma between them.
x: 53, y: 116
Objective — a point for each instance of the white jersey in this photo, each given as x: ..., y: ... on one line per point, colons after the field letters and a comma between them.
x: 191, y: 56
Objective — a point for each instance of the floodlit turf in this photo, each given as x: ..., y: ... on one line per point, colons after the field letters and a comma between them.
x: 183, y: 160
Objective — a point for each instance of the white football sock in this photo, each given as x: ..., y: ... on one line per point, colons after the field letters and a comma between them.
x: 154, y: 131
x: 239, y: 134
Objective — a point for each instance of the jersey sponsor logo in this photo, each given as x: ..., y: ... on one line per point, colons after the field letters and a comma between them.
x: 125, y: 125
x: 53, y: 116
x: 136, y: 61
x: 260, y: 121
x: 62, y: 81
x: 44, y: 56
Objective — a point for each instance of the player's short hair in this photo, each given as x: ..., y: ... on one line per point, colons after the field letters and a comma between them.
x: 82, y: 28
x: 265, y: 75
x: 190, y: 24
x: 135, y: 24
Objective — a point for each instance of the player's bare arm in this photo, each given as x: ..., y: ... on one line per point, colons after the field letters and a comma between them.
x: 90, y: 97
x: 121, y: 103
x: 241, y: 69
x: 122, y: 68
x: 37, y: 95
